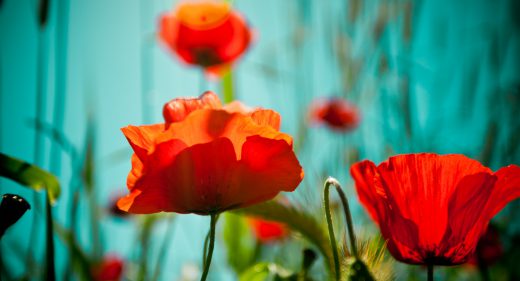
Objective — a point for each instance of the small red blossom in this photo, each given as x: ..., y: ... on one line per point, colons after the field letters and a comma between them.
x: 432, y: 209
x: 207, y: 158
x: 206, y: 33
x: 338, y: 114
x: 268, y: 231
x: 109, y: 269
x: 489, y: 248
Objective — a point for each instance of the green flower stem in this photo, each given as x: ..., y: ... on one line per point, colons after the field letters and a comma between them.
x: 348, y: 216
x: 430, y: 272
x: 332, y: 238
x: 228, y: 87
x: 350, y: 223
x: 51, y: 270
x: 207, y: 262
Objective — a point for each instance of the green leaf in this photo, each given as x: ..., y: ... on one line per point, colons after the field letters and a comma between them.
x: 238, y: 241
x: 30, y: 176
x: 297, y: 220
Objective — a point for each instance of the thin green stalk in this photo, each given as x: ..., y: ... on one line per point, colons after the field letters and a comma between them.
x: 350, y: 224
x: 162, y: 251
x: 207, y: 262
x: 430, y: 272
x: 348, y: 216
x: 205, y: 250
x: 228, y: 87
x: 332, y: 237
x: 51, y: 269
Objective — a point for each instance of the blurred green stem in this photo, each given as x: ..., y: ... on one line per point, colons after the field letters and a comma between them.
x: 51, y: 270
x: 207, y: 260
x: 430, y: 272
x: 227, y: 87
x: 164, y: 248
x: 147, y: 226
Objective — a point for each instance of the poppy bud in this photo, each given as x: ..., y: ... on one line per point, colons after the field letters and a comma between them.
x: 309, y: 257
x: 12, y: 209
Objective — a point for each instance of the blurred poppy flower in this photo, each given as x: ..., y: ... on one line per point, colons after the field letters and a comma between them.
x: 12, y: 208
x: 337, y: 114
x: 489, y: 248
x: 109, y: 269
x: 433, y: 208
x: 206, y: 33
x: 208, y: 158
x: 267, y: 231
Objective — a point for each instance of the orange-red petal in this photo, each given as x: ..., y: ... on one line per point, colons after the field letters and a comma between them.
x: 177, y: 109
x: 142, y: 138
x: 267, y: 167
x: 201, y: 176
x: 211, y: 124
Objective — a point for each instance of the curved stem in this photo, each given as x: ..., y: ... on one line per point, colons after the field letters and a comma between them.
x: 430, y: 272
x: 330, y: 227
x: 348, y: 216
x: 207, y: 262
x: 350, y: 224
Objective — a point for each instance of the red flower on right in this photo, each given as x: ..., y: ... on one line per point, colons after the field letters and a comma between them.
x: 432, y: 209
x: 337, y: 114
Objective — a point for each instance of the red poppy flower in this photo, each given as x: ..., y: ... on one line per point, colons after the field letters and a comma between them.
x: 433, y: 208
x: 268, y: 231
x: 205, y: 33
x: 208, y: 158
x: 336, y: 113
x: 109, y: 269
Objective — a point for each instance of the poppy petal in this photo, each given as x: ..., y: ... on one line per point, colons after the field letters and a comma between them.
x: 177, y: 109
x: 141, y: 138
x: 135, y: 173
x: 465, y: 216
x: 267, y: 166
x: 216, y: 124
x: 267, y: 117
x: 149, y: 189
x: 375, y: 194
x: 425, y: 182
x: 199, y: 178
x: 507, y: 189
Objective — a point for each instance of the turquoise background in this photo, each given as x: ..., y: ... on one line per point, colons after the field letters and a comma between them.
x: 429, y: 76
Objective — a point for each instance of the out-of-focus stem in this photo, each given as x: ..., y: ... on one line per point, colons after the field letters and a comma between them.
x: 228, y: 87
x: 430, y: 272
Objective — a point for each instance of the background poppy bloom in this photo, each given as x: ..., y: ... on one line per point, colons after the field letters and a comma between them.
x: 489, y: 248
x: 109, y: 269
x: 205, y: 33
x: 268, y: 231
x: 433, y: 208
x: 337, y: 114
x: 208, y: 158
